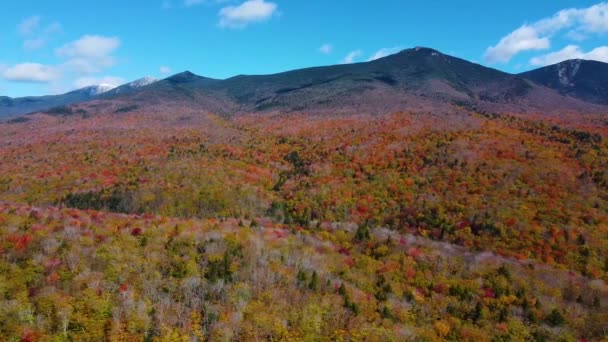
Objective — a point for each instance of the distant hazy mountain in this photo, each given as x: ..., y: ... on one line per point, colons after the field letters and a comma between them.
x: 23, y: 105
x: 586, y: 80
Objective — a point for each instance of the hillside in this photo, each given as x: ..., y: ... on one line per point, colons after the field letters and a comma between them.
x: 165, y: 222
x: 585, y: 80
x: 290, y: 172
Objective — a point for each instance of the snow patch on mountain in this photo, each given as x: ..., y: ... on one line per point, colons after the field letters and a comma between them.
x: 567, y: 70
x: 98, y: 89
x: 142, y: 82
x: 139, y: 83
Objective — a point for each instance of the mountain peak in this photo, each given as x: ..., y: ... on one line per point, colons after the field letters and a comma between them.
x: 142, y: 82
x: 184, y: 77
x: 424, y: 50
x: 580, y: 78
x: 95, y: 90
x: 572, y: 61
x: 419, y: 52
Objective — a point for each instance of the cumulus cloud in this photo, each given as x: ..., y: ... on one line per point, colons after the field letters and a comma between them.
x: 91, y: 81
x: 351, y: 57
x: 384, y: 53
x: 90, y: 47
x: 537, y: 36
x: 593, y: 19
x: 32, y: 73
x: 248, y: 12
x: 85, y: 56
x: 576, y: 36
x: 523, y: 39
x: 326, y: 49
x: 164, y: 70
x: 89, y: 54
x: 571, y: 52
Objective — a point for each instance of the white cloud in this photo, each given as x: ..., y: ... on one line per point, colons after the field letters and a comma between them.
x: 523, y: 39
x: 537, y: 36
x: 89, y: 54
x: 31, y: 72
x: 248, y: 12
x: 576, y: 36
x: 598, y: 54
x: 384, y: 52
x: 326, y: 49
x: 164, y: 70
x: 89, y: 47
x: 351, y: 57
x: 593, y: 19
x: 571, y: 52
x: 29, y: 26
x: 91, y: 81
x: 37, y: 38
x: 568, y: 52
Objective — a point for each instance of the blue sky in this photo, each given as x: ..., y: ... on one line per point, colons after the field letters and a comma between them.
x: 50, y: 47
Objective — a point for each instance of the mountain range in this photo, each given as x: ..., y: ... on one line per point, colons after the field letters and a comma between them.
x: 414, y: 79
x: 23, y: 105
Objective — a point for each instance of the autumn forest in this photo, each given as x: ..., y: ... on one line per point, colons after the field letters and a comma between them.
x: 182, y: 225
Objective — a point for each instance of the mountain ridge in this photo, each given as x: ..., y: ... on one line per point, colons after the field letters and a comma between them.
x: 10, y: 106
x: 413, y: 78
x: 580, y: 78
